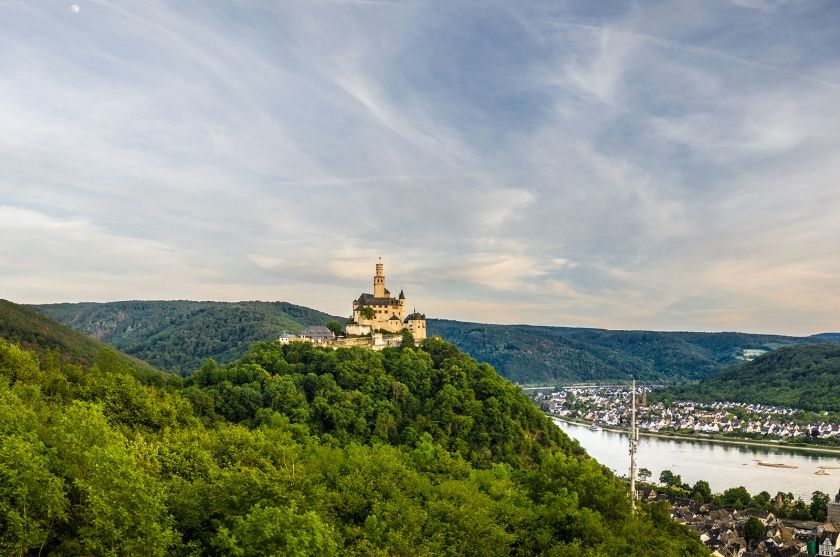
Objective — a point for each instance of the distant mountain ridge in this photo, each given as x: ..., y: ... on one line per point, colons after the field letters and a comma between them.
x: 803, y: 377
x: 528, y: 353
x: 179, y: 335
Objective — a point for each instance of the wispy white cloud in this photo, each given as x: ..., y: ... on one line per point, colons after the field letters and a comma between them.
x: 602, y: 74
x: 73, y: 259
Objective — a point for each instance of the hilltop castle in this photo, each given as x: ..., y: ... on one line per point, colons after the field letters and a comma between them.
x: 378, y: 321
x: 379, y: 312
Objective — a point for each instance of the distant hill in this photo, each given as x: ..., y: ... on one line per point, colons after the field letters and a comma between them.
x: 530, y: 354
x: 179, y: 335
x: 827, y: 337
x: 34, y: 331
x: 804, y: 377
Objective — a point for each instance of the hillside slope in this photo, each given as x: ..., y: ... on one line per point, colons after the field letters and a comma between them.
x: 528, y: 353
x: 32, y: 330
x: 804, y: 377
x: 297, y: 450
x: 179, y: 335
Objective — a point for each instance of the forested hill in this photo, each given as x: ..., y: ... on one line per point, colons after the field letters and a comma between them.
x: 30, y: 329
x: 179, y: 335
x: 529, y: 354
x: 798, y: 376
x: 299, y: 450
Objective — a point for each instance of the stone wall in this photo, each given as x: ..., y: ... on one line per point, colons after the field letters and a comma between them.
x: 834, y: 513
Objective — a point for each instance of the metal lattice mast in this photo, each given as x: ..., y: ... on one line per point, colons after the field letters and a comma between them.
x: 633, y: 440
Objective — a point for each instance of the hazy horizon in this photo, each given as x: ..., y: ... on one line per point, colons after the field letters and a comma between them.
x: 643, y: 166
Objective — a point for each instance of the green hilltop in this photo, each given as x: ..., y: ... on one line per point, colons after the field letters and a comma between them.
x: 803, y: 377
x: 299, y: 450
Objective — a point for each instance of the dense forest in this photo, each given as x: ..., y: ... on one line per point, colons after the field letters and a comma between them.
x: 803, y: 377
x: 178, y: 336
x: 298, y: 450
x: 528, y: 354
x: 50, y: 339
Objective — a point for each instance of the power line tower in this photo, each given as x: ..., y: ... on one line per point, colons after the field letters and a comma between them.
x: 634, y: 440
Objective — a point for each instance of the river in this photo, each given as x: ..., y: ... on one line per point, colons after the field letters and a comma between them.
x: 722, y: 465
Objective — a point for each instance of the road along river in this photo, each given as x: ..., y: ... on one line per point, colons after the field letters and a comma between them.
x: 722, y: 465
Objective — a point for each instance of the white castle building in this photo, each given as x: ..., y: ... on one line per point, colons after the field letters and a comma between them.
x: 380, y: 312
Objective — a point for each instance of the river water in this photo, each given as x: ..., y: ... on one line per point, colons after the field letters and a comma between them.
x: 722, y: 465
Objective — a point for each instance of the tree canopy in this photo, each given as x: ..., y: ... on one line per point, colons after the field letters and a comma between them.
x: 299, y: 450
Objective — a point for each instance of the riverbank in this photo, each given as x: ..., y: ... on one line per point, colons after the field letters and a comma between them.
x: 709, y: 439
x: 722, y: 465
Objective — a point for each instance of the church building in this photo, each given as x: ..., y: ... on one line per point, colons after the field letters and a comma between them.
x: 380, y: 312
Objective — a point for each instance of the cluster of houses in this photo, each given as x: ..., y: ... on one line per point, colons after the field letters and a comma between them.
x: 723, y: 530
x: 610, y: 406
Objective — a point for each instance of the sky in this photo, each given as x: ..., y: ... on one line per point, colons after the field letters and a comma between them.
x: 626, y: 165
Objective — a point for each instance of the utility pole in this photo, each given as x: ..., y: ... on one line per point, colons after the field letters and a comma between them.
x: 634, y: 437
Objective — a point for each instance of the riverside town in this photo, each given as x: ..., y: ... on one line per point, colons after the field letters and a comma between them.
x: 733, y: 523
x: 608, y: 406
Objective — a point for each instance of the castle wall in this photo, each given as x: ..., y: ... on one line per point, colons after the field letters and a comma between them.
x: 834, y: 513
x: 417, y: 328
x: 357, y: 329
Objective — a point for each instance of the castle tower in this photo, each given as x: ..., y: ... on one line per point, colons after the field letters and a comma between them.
x: 379, y: 281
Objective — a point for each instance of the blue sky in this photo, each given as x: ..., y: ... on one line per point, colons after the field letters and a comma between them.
x: 646, y: 165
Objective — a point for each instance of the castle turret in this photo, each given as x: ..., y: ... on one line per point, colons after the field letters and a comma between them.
x: 416, y: 325
x: 379, y: 280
